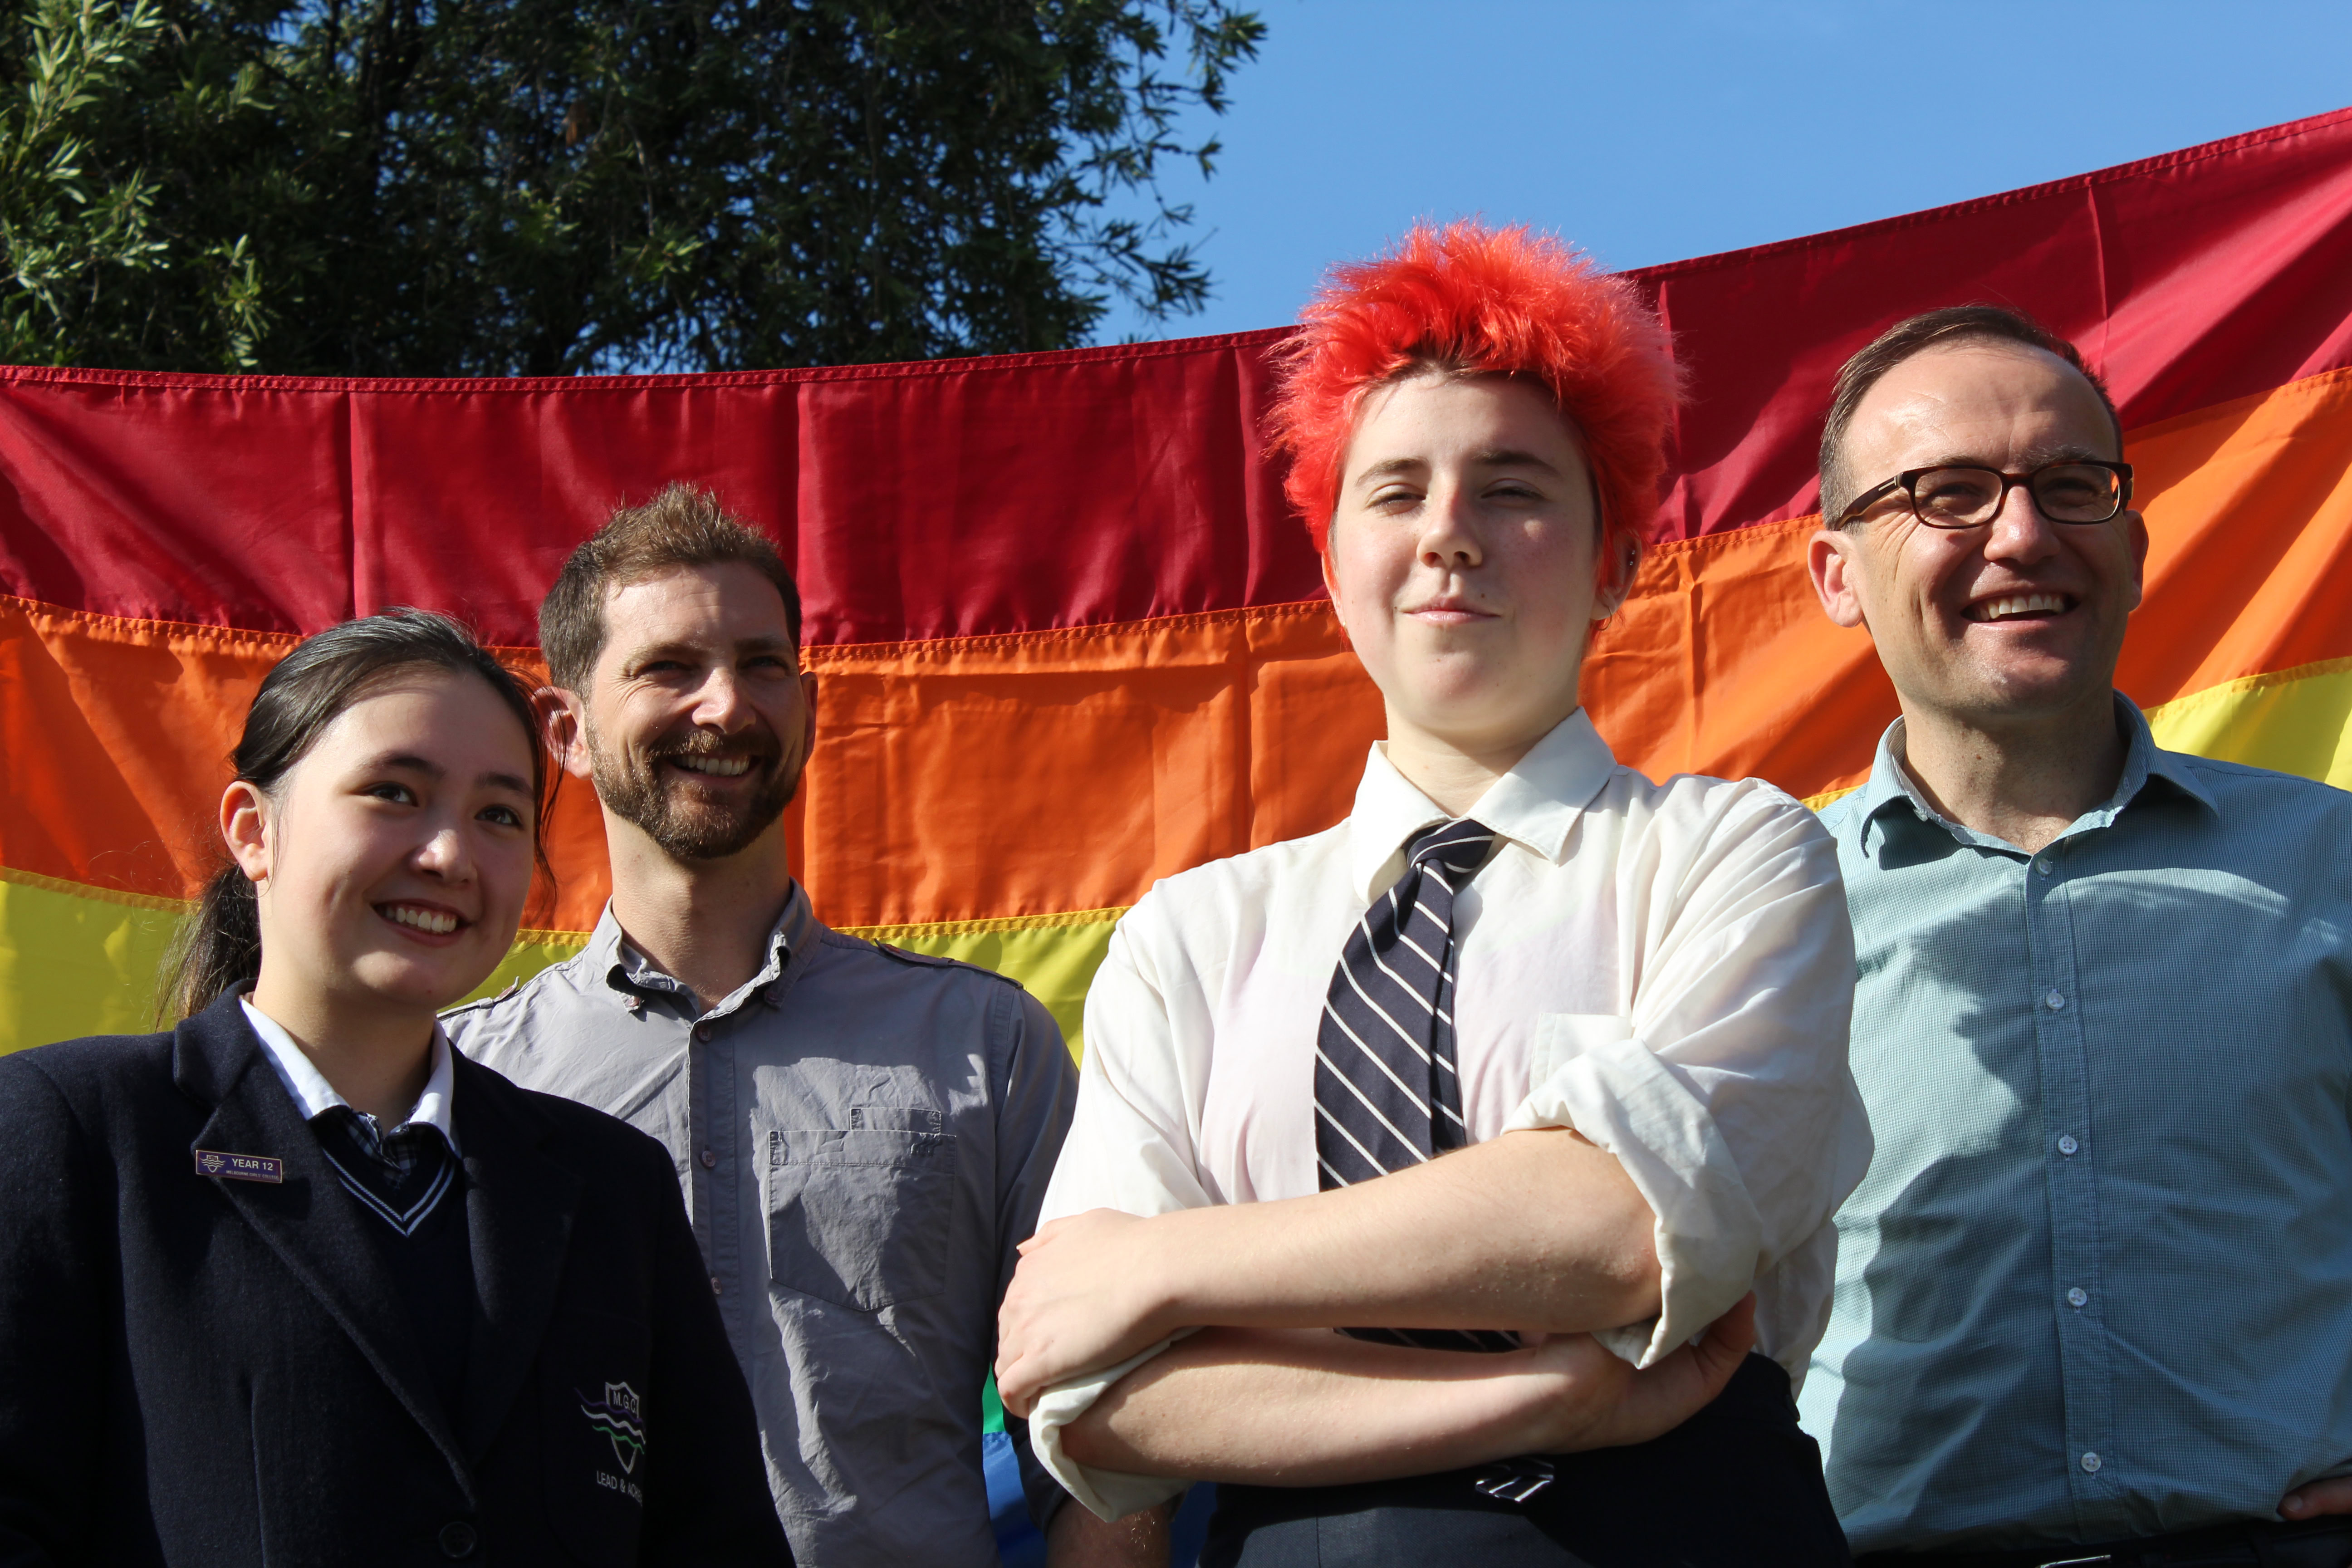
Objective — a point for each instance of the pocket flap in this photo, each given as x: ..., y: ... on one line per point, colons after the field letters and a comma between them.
x: 863, y: 1146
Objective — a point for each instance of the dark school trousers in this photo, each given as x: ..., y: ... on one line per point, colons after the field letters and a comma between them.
x: 1737, y: 1486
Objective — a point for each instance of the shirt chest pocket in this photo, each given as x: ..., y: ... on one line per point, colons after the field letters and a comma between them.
x: 859, y: 1215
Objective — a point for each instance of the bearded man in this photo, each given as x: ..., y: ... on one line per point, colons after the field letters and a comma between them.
x: 864, y: 1134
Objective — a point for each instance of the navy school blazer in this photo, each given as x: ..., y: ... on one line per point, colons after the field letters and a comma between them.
x: 197, y: 1368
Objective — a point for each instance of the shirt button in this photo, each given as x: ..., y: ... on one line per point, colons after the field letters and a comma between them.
x: 456, y: 1539
x: 2043, y: 866
x: 2066, y: 1144
x: 2053, y: 1001
x: 702, y: 1031
x: 714, y: 1285
x: 2078, y: 1296
x: 709, y: 1159
x: 2091, y: 1463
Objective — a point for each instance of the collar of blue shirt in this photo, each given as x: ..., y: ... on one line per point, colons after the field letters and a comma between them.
x: 1533, y: 804
x: 1891, y: 784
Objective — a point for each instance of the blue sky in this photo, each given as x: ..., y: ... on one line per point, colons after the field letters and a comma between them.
x: 1655, y: 130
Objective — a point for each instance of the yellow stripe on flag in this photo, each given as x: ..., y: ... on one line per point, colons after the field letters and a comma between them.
x: 77, y: 961
x: 2298, y: 722
x: 1054, y: 956
x: 83, y: 961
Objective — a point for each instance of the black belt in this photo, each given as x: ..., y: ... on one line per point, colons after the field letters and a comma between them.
x: 2315, y: 1543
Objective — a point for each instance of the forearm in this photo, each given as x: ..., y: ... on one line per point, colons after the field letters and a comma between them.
x: 1534, y: 1231
x: 1309, y: 1407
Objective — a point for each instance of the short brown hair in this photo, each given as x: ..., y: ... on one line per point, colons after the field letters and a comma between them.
x: 1915, y: 335
x: 680, y: 528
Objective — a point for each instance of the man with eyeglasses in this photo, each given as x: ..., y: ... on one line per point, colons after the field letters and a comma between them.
x: 2094, y: 1300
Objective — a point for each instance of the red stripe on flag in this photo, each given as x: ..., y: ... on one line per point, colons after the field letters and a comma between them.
x: 982, y: 496
x: 961, y: 499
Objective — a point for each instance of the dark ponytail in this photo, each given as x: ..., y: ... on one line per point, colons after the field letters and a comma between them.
x: 219, y: 949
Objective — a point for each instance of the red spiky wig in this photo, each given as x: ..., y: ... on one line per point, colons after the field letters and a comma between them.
x: 1470, y: 299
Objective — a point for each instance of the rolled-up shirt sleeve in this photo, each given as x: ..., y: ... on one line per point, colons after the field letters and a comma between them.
x: 1131, y: 1148
x: 1723, y: 1086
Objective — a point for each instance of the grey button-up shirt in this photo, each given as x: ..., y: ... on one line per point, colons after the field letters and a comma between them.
x: 864, y: 1136
x: 2098, y: 1281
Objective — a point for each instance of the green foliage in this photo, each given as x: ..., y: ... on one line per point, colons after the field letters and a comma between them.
x: 75, y: 249
x: 393, y: 187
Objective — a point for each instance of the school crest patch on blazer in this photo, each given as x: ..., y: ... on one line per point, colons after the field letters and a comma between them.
x: 619, y: 1416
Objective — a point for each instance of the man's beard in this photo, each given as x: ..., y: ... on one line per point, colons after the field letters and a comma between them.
x: 633, y: 786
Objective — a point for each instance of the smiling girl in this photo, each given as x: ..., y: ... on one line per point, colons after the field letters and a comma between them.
x: 294, y: 1281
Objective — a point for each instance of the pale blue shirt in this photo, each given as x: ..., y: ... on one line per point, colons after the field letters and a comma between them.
x: 2098, y: 1280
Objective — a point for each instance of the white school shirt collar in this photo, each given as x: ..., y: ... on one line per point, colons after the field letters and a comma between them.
x: 312, y: 1094
x: 1533, y: 804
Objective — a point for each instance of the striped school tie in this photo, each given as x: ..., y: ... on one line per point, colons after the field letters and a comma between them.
x: 1386, y: 1092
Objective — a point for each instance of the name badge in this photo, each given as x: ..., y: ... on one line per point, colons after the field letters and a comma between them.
x: 239, y: 1167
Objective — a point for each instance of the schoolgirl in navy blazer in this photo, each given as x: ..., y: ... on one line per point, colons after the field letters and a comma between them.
x: 233, y: 1333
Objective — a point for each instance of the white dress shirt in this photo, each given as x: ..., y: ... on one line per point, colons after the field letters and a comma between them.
x: 1666, y: 968
x: 313, y: 1094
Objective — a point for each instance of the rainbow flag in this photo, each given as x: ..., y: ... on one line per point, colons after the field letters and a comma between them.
x: 1069, y: 639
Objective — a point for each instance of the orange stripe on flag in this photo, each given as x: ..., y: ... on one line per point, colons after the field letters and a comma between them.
x: 989, y: 777
x: 1037, y: 773
x: 117, y: 734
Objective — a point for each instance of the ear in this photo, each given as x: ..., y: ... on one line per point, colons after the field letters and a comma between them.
x: 1331, y: 586
x: 1617, y: 573
x: 2135, y: 540
x: 563, y: 718
x: 245, y: 828
x: 1833, y: 558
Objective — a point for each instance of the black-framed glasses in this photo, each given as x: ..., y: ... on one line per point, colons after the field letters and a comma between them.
x: 2080, y: 490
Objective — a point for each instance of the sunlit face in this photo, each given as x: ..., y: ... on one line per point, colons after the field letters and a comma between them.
x: 699, y: 718
x: 394, y: 861
x: 1461, y: 557
x: 2020, y: 617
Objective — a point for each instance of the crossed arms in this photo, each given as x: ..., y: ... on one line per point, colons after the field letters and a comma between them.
x: 1538, y: 1231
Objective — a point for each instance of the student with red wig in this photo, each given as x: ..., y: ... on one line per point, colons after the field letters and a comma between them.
x: 1617, y: 1008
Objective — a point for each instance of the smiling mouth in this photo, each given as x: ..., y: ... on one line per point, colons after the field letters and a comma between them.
x: 713, y: 767
x: 2020, y: 606
x: 416, y: 917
